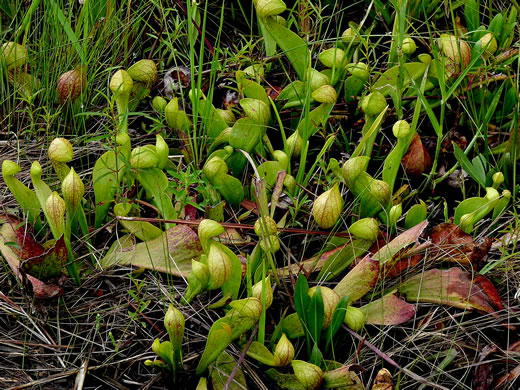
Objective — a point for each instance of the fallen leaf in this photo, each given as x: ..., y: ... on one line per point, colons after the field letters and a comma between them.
x: 451, y: 244
x: 49, y: 264
x: 40, y: 289
x: 484, y: 377
x: 172, y: 252
x: 453, y: 287
x: 388, y: 310
x: 383, y: 380
x: 417, y: 160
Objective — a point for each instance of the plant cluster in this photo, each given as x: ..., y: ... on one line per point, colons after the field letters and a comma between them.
x: 371, y: 205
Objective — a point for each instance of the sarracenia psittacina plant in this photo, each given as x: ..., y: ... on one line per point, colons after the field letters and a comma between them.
x: 404, y: 135
x: 60, y: 153
x: 54, y: 208
x: 242, y: 316
x: 282, y: 355
x: 374, y: 194
x: 174, y: 324
x: 308, y: 374
x: 267, y: 232
x: 170, y: 352
x: 121, y: 85
x: 13, y: 55
x: 25, y: 197
x: 219, y: 266
x: 472, y: 210
x: 327, y: 208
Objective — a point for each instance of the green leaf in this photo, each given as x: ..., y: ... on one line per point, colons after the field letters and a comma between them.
x: 415, y: 215
x: 213, y: 123
x: 360, y: 280
x: 471, y: 14
x: 106, y: 176
x: 246, y: 133
x: 301, y: 297
x: 387, y: 82
x: 476, y: 172
x: 315, y: 315
x: 259, y: 352
x: 155, y: 183
x: 251, y: 89
x: 219, y: 338
x: 230, y: 188
x: 337, y: 259
x: 292, y: 326
x: 232, y: 285
x: 337, y: 319
x: 291, y: 44
x: 221, y: 370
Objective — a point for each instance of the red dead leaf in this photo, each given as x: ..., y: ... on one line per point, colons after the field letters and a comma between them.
x: 388, y: 310
x: 453, y: 287
x: 28, y: 247
x: 484, y: 376
x: 40, y: 289
x: 49, y: 264
x: 417, y: 160
x: 383, y: 380
x: 36, y: 260
x: 451, y: 244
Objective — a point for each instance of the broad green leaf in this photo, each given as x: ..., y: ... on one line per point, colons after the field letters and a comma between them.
x: 387, y: 82
x: 106, y: 177
x: 292, y: 326
x: 25, y: 197
x: 230, y: 188
x: 155, y: 183
x: 337, y: 320
x: 214, y: 124
x: 251, y: 89
x: 232, y: 285
x: 468, y: 206
x: 301, y: 297
x: 415, y: 215
x: 291, y: 44
x: 246, y: 133
x: 284, y: 381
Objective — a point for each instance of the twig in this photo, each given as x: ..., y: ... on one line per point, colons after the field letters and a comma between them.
x: 235, y: 226
x: 240, y: 359
x: 389, y: 360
